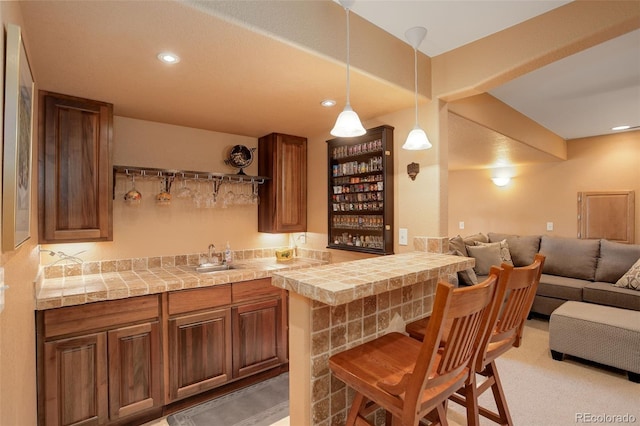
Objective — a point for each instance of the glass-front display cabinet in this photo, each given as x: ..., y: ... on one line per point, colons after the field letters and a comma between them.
x: 361, y: 192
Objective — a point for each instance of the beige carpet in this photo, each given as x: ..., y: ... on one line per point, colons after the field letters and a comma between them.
x: 544, y: 392
x: 541, y: 391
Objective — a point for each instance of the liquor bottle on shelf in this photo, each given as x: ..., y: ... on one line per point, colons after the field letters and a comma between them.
x: 361, y: 192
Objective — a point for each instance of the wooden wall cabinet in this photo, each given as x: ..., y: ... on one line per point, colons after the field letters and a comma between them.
x: 283, y: 198
x: 75, y: 169
x: 99, y: 363
x: 361, y: 192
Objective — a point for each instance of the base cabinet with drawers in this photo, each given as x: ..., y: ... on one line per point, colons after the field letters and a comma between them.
x: 199, y: 340
x: 120, y: 361
x: 99, y: 363
x: 259, y: 327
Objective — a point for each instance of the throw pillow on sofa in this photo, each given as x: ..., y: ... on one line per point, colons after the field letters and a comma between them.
x: 471, y: 240
x: 505, y: 250
x: 487, y: 255
x: 570, y: 257
x: 457, y: 243
x: 468, y: 276
x: 522, y: 248
x: 459, y: 248
x: 615, y: 260
x: 632, y: 278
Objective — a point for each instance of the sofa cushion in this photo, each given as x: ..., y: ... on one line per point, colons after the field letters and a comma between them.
x: 505, y: 255
x: 570, y: 257
x: 615, y: 260
x: 561, y: 287
x: 485, y: 256
x: 522, y: 248
x: 608, y: 294
x: 470, y: 240
x: 457, y: 243
x: 466, y: 276
x: 631, y: 279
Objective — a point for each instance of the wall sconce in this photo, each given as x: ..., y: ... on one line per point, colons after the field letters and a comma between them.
x: 501, y: 181
x: 412, y: 170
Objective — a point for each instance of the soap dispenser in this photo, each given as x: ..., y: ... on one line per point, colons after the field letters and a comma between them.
x: 228, y: 256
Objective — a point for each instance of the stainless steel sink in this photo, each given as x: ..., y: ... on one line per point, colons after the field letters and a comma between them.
x: 213, y: 267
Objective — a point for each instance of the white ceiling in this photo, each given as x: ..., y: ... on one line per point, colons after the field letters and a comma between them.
x: 582, y: 95
x: 234, y: 79
x: 450, y: 23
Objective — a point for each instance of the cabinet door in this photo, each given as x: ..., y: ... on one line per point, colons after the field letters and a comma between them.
x: 200, y: 352
x: 283, y: 198
x: 76, y: 381
x: 257, y: 337
x: 134, y: 370
x: 75, y: 178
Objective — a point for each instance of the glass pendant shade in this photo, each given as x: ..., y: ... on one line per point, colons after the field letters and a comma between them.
x: 417, y: 140
x: 348, y: 124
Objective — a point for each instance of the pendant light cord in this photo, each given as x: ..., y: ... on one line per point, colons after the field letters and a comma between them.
x: 348, y: 49
x: 415, y: 75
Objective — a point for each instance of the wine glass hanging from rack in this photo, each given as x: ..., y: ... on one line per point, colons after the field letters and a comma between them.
x: 167, y: 176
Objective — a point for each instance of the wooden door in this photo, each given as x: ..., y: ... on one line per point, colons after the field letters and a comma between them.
x: 75, y: 387
x: 199, y: 351
x: 283, y: 198
x: 75, y: 179
x: 257, y: 337
x: 134, y: 370
x: 609, y: 215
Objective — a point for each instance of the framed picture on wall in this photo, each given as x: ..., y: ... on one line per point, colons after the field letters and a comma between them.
x: 18, y: 118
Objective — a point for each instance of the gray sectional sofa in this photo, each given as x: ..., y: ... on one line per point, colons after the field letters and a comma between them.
x: 574, y: 269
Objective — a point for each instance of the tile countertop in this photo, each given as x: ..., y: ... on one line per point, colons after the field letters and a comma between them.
x: 340, y: 283
x: 79, y: 289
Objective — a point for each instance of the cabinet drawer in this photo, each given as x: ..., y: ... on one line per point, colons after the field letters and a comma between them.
x: 200, y: 298
x: 99, y: 315
x: 255, y: 289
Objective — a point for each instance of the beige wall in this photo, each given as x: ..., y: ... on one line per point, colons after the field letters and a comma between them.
x: 433, y: 204
x: 417, y: 204
x: 180, y: 228
x: 17, y: 329
x: 545, y: 192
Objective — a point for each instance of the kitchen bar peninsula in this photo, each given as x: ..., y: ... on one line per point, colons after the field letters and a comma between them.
x: 335, y: 307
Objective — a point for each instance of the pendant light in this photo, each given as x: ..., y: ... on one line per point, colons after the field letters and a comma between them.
x: 417, y: 138
x: 348, y: 123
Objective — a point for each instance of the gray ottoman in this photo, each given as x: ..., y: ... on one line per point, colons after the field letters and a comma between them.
x: 603, y: 334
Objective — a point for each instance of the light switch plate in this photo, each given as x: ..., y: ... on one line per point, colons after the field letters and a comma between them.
x: 403, y: 236
x: 549, y: 226
x: 461, y: 225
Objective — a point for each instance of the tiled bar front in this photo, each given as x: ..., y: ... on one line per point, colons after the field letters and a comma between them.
x: 335, y: 307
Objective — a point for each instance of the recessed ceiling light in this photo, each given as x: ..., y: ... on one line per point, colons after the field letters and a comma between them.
x: 621, y: 128
x: 169, y: 58
x: 328, y: 103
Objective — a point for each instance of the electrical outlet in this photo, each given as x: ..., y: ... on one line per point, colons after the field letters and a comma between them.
x: 403, y: 236
x: 302, y: 238
x: 461, y: 225
x: 549, y: 226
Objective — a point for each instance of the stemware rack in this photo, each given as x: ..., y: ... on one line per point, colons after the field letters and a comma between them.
x: 167, y: 176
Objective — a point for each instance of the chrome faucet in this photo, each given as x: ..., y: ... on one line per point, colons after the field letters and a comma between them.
x: 212, y: 250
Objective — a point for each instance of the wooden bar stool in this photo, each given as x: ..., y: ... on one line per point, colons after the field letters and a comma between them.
x: 515, y: 292
x: 411, y: 379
